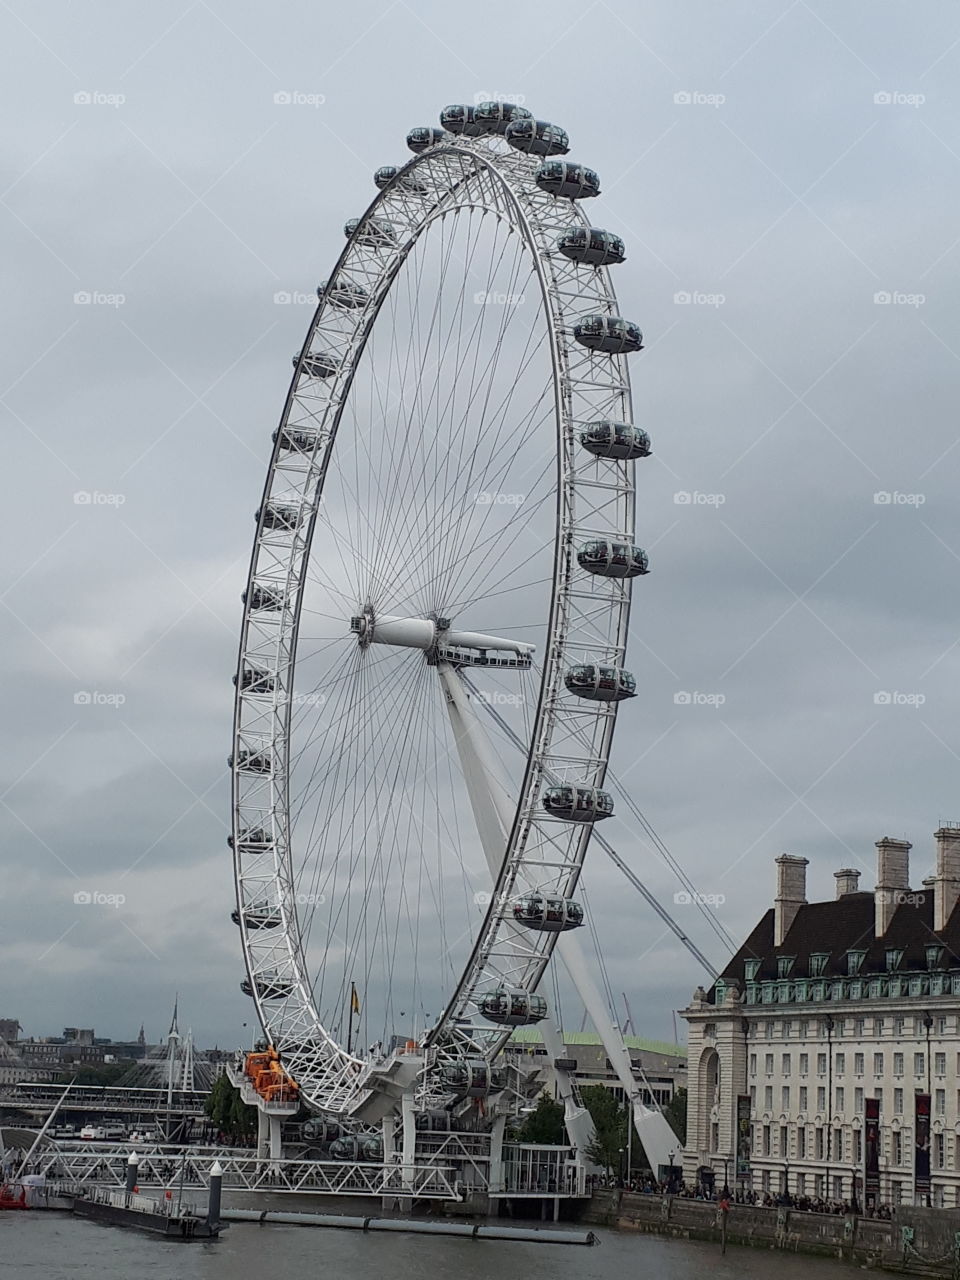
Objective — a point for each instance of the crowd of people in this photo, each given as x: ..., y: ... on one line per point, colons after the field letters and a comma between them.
x: 647, y: 1185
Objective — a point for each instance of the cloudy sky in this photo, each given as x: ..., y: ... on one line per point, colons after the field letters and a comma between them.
x: 785, y: 175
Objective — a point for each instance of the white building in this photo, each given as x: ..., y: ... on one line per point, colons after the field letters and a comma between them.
x: 659, y: 1067
x: 825, y: 1005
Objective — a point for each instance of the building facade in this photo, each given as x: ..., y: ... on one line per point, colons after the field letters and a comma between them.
x: 826, y: 1006
x: 658, y: 1067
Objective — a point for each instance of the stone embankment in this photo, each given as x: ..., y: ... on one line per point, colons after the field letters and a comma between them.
x: 916, y: 1241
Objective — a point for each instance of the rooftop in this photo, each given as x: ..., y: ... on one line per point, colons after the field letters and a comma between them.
x: 530, y: 1035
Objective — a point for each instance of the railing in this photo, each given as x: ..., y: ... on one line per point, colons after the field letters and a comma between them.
x: 528, y: 1171
x: 164, y: 1208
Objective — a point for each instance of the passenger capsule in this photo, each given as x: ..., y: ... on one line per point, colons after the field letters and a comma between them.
x: 279, y: 515
x: 252, y: 840
x: 600, y: 683
x: 375, y: 231
x: 343, y: 293
x: 578, y: 804
x: 260, y: 596
x: 353, y: 1147
x: 422, y: 137
x: 471, y: 1078
x: 318, y: 1129
x: 386, y: 174
x: 270, y: 986
x: 461, y: 119
x: 563, y: 178
x: 613, y: 559
x: 495, y: 116
x: 320, y: 364
x: 610, y: 334
x: 259, y: 915
x: 619, y: 440
x: 537, y: 137
x: 512, y: 1007
x: 300, y: 438
x: 548, y: 914
x: 591, y: 246
x: 256, y: 680
x: 252, y: 762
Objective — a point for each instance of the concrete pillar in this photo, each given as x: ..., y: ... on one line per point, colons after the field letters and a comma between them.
x: 946, y: 887
x: 791, y: 894
x: 275, y: 1131
x: 409, y: 1165
x: 496, y: 1156
x: 893, y: 880
x: 848, y: 880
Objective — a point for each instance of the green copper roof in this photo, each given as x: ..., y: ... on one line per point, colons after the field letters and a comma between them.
x: 530, y: 1035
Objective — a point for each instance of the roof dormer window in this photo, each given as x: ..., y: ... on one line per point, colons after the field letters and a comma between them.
x: 818, y: 963
x: 784, y: 965
x: 894, y: 956
x: 750, y: 969
x: 855, y: 961
x: 934, y: 956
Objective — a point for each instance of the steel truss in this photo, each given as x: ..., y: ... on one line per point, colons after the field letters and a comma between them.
x: 588, y: 623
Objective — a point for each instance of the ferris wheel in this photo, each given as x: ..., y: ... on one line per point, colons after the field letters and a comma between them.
x: 433, y: 647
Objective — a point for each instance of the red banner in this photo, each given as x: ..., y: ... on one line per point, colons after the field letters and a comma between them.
x: 921, y: 1130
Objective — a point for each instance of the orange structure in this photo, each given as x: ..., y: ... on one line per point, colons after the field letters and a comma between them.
x: 269, y: 1078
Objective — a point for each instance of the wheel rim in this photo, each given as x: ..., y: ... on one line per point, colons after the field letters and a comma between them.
x: 578, y: 618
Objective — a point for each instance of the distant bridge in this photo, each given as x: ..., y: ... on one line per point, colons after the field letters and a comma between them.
x: 94, y: 1099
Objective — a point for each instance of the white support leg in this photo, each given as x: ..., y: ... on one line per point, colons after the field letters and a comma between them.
x: 493, y: 811
x: 409, y: 1149
x: 489, y: 796
x: 495, y: 1187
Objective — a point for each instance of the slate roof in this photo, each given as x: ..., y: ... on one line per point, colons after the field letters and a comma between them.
x: 847, y: 924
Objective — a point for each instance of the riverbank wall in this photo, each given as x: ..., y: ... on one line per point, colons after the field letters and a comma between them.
x: 916, y: 1241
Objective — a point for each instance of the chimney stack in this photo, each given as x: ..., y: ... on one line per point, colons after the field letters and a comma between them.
x: 791, y: 894
x: 946, y: 881
x: 848, y: 879
x: 893, y: 880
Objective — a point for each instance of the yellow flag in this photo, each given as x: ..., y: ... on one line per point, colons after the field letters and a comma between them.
x: 354, y: 1002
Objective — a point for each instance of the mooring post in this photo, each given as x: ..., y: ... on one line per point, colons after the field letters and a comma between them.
x: 216, y: 1191
x: 133, y: 1165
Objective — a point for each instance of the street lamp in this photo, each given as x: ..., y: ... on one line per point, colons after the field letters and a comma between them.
x: 928, y: 1024
x: 828, y: 1026
x: 726, y: 1184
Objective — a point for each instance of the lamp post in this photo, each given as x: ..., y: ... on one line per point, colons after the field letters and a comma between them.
x: 620, y: 1150
x: 928, y: 1025
x: 670, y: 1186
x: 828, y: 1025
x: 726, y: 1180
x: 786, y: 1182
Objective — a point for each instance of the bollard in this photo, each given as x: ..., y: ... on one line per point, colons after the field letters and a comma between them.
x: 213, y: 1201
x: 133, y: 1165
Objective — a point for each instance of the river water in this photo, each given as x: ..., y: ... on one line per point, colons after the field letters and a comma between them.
x: 54, y: 1246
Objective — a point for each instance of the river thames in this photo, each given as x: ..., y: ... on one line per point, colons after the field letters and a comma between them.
x: 54, y: 1246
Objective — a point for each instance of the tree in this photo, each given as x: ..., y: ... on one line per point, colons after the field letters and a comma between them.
x: 676, y: 1113
x: 545, y: 1123
x: 610, y: 1119
x: 228, y: 1112
x: 108, y: 1073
